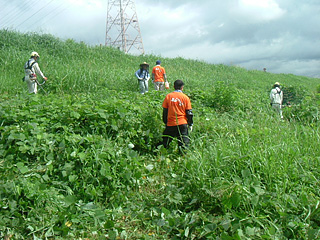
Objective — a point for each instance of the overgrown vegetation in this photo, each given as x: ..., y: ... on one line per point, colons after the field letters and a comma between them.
x: 68, y: 169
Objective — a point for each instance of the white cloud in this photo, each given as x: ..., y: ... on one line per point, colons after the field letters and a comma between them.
x: 258, y: 10
x: 281, y: 35
x: 85, y: 4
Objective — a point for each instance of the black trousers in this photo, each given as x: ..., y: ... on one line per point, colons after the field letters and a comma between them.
x: 180, y: 132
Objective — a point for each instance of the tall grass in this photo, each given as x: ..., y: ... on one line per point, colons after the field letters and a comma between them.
x: 67, y: 171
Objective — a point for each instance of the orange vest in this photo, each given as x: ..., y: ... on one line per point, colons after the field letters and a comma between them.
x: 177, y: 103
x: 158, y: 72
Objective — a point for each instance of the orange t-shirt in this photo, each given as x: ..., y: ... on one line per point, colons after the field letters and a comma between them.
x: 158, y: 72
x: 177, y: 104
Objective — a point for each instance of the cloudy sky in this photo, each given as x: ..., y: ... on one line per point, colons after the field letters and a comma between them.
x: 282, y: 36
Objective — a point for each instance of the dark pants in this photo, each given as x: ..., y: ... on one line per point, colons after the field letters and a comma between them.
x: 180, y: 132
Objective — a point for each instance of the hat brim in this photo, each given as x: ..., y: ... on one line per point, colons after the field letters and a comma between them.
x: 143, y: 64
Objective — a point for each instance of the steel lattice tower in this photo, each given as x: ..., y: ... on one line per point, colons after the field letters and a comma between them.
x: 123, y: 31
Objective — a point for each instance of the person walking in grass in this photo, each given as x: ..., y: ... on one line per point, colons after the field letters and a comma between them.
x: 178, y: 117
x: 159, y: 76
x: 276, y: 98
x: 143, y: 77
x: 32, y: 68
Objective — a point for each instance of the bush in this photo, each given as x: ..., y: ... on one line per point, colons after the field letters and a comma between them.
x: 221, y: 96
x: 293, y: 95
x: 308, y: 111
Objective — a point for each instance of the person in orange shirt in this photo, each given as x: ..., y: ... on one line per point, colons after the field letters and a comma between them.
x: 177, y: 115
x: 159, y: 76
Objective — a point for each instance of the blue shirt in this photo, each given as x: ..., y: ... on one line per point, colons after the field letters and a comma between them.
x: 144, y: 74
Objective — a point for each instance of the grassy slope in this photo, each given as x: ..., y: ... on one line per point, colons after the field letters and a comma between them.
x: 246, y: 175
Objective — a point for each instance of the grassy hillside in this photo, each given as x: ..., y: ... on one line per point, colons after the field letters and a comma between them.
x: 67, y: 171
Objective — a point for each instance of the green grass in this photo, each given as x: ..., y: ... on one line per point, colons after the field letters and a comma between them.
x: 67, y: 172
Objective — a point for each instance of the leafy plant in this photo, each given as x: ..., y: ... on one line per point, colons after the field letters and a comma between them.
x: 84, y: 160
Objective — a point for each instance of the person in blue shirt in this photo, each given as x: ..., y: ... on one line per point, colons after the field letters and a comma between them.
x: 143, y: 77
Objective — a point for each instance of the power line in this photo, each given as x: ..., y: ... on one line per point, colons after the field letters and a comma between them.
x: 4, y: 9
x: 16, y: 13
x: 55, y: 12
x: 11, y: 13
x: 34, y: 13
x: 17, y: 10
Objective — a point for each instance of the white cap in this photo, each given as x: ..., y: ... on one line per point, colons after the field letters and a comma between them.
x: 35, y: 54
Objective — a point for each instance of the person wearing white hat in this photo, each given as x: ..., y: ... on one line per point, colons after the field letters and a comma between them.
x: 143, y: 77
x: 31, y: 68
x: 276, y: 98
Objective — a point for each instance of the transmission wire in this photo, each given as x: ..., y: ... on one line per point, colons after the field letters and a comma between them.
x: 34, y: 13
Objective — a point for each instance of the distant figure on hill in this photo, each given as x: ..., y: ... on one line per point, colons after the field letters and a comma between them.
x: 143, y: 77
x: 31, y: 69
x: 159, y: 76
x: 276, y: 98
x: 177, y: 115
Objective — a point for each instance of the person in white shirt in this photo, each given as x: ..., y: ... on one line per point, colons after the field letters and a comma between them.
x: 143, y: 77
x: 31, y: 69
x: 276, y: 98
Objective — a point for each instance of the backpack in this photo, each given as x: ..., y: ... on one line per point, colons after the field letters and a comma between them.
x: 275, y: 95
x: 29, y: 67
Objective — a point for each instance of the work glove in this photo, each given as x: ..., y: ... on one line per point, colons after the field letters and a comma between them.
x: 190, y: 128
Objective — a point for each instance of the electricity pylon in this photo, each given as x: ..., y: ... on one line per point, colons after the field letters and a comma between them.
x: 123, y: 31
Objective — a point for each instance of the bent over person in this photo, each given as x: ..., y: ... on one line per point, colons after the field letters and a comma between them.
x: 177, y: 115
x: 31, y: 69
x: 276, y: 98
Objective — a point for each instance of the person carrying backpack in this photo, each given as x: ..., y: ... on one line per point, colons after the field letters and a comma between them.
x: 31, y: 68
x: 143, y: 77
x: 276, y: 98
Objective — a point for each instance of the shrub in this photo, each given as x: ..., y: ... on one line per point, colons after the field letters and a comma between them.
x: 308, y: 111
x: 221, y: 96
x: 293, y: 95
